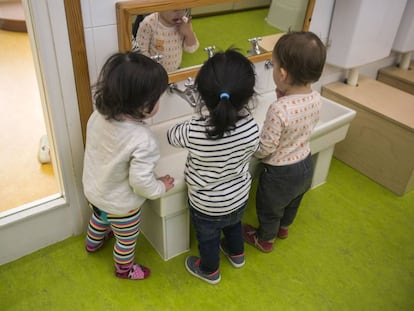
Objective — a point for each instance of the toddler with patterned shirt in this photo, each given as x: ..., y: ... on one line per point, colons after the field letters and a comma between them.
x: 167, y: 33
x: 298, y: 60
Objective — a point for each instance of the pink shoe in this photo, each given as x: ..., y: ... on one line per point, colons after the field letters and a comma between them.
x: 132, y: 271
x: 250, y: 236
x: 283, y: 233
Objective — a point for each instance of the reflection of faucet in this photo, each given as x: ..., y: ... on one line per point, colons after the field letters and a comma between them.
x: 210, y: 50
x: 157, y: 57
x: 255, y: 46
x: 268, y: 64
x: 188, y: 94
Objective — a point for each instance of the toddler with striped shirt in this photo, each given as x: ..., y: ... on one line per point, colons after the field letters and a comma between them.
x: 220, y: 144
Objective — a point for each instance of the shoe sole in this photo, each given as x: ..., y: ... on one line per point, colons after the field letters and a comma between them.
x: 200, y: 277
x: 236, y: 265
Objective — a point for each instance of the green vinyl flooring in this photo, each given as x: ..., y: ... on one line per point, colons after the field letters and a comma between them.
x: 350, y: 248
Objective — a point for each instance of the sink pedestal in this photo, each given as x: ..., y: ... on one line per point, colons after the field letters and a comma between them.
x: 166, y: 224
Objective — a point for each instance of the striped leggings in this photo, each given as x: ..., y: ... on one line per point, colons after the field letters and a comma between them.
x: 126, y: 229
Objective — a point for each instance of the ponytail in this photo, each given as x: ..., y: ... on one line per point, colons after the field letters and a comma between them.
x: 226, y: 84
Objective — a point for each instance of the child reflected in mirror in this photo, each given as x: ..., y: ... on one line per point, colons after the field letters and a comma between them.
x: 167, y: 34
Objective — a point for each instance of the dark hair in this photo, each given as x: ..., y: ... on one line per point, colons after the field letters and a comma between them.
x: 129, y: 83
x: 226, y: 84
x: 302, y: 54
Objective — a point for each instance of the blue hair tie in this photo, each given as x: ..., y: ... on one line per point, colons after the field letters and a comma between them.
x: 224, y: 95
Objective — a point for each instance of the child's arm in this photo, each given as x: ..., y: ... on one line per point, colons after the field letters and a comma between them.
x: 190, y: 43
x: 142, y: 177
x: 143, y: 38
x: 177, y: 135
x: 270, y: 134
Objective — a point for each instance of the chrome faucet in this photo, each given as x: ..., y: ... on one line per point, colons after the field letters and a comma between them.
x: 210, y: 51
x: 157, y: 57
x: 188, y: 94
x: 255, y: 45
x: 268, y: 64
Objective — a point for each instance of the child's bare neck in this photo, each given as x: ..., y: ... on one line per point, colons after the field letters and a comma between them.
x: 298, y: 89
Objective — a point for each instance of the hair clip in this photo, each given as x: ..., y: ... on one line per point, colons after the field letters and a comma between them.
x: 224, y: 95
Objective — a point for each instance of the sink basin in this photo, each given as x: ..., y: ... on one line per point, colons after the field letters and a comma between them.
x: 331, y: 128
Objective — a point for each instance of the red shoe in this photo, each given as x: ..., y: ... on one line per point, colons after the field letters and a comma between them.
x: 283, y: 233
x: 250, y: 236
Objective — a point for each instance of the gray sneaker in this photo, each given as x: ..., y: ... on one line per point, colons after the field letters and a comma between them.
x: 236, y: 260
x: 192, y: 263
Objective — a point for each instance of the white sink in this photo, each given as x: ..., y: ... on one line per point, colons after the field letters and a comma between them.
x: 331, y: 128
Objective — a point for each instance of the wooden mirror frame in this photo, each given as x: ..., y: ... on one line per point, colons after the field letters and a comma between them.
x: 126, y: 9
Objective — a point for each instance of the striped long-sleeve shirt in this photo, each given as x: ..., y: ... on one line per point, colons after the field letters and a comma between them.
x: 217, y: 170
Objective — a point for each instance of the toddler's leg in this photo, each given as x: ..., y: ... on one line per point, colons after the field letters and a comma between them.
x: 98, y: 232
x: 126, y: 229
x: 232, y: 244
x: 271, y: 198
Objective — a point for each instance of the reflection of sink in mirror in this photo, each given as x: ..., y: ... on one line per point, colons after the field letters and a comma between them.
x: 168, y: 217
x: 239, y: 27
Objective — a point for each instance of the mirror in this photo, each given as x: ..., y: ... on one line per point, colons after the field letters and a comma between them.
x: 127, y: 11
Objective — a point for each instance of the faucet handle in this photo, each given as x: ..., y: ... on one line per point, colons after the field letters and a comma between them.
x: 189, y: 83
x: 210, y: 50
x: 157, y: 57
x: 255, y: 45
x: 268, y: 64
x: 255, y: 40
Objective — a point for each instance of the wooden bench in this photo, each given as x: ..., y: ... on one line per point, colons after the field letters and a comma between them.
x: 380, y: 140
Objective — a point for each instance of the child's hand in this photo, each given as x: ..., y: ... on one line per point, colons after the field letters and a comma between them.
x: 185, y: 27
x: 168, y: 182
x: 279, y: 93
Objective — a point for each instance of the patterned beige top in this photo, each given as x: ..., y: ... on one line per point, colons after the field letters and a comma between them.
x: 285, y: 136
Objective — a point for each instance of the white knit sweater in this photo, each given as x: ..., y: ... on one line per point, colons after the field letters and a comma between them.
x: 120, y: 156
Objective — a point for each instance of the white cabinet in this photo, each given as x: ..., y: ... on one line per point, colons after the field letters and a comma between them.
x: 166, y: 224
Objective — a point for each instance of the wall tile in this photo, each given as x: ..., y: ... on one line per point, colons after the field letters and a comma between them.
x: 103, y: 12
x: 106, y: 43
x: 86, y: 13
x: 91, y: 54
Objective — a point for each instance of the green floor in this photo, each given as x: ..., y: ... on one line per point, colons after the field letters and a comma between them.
x: 351, y: 248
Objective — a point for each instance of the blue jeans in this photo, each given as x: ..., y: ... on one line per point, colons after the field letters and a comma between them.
x: 208, y: 231
x: 279, y: 193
